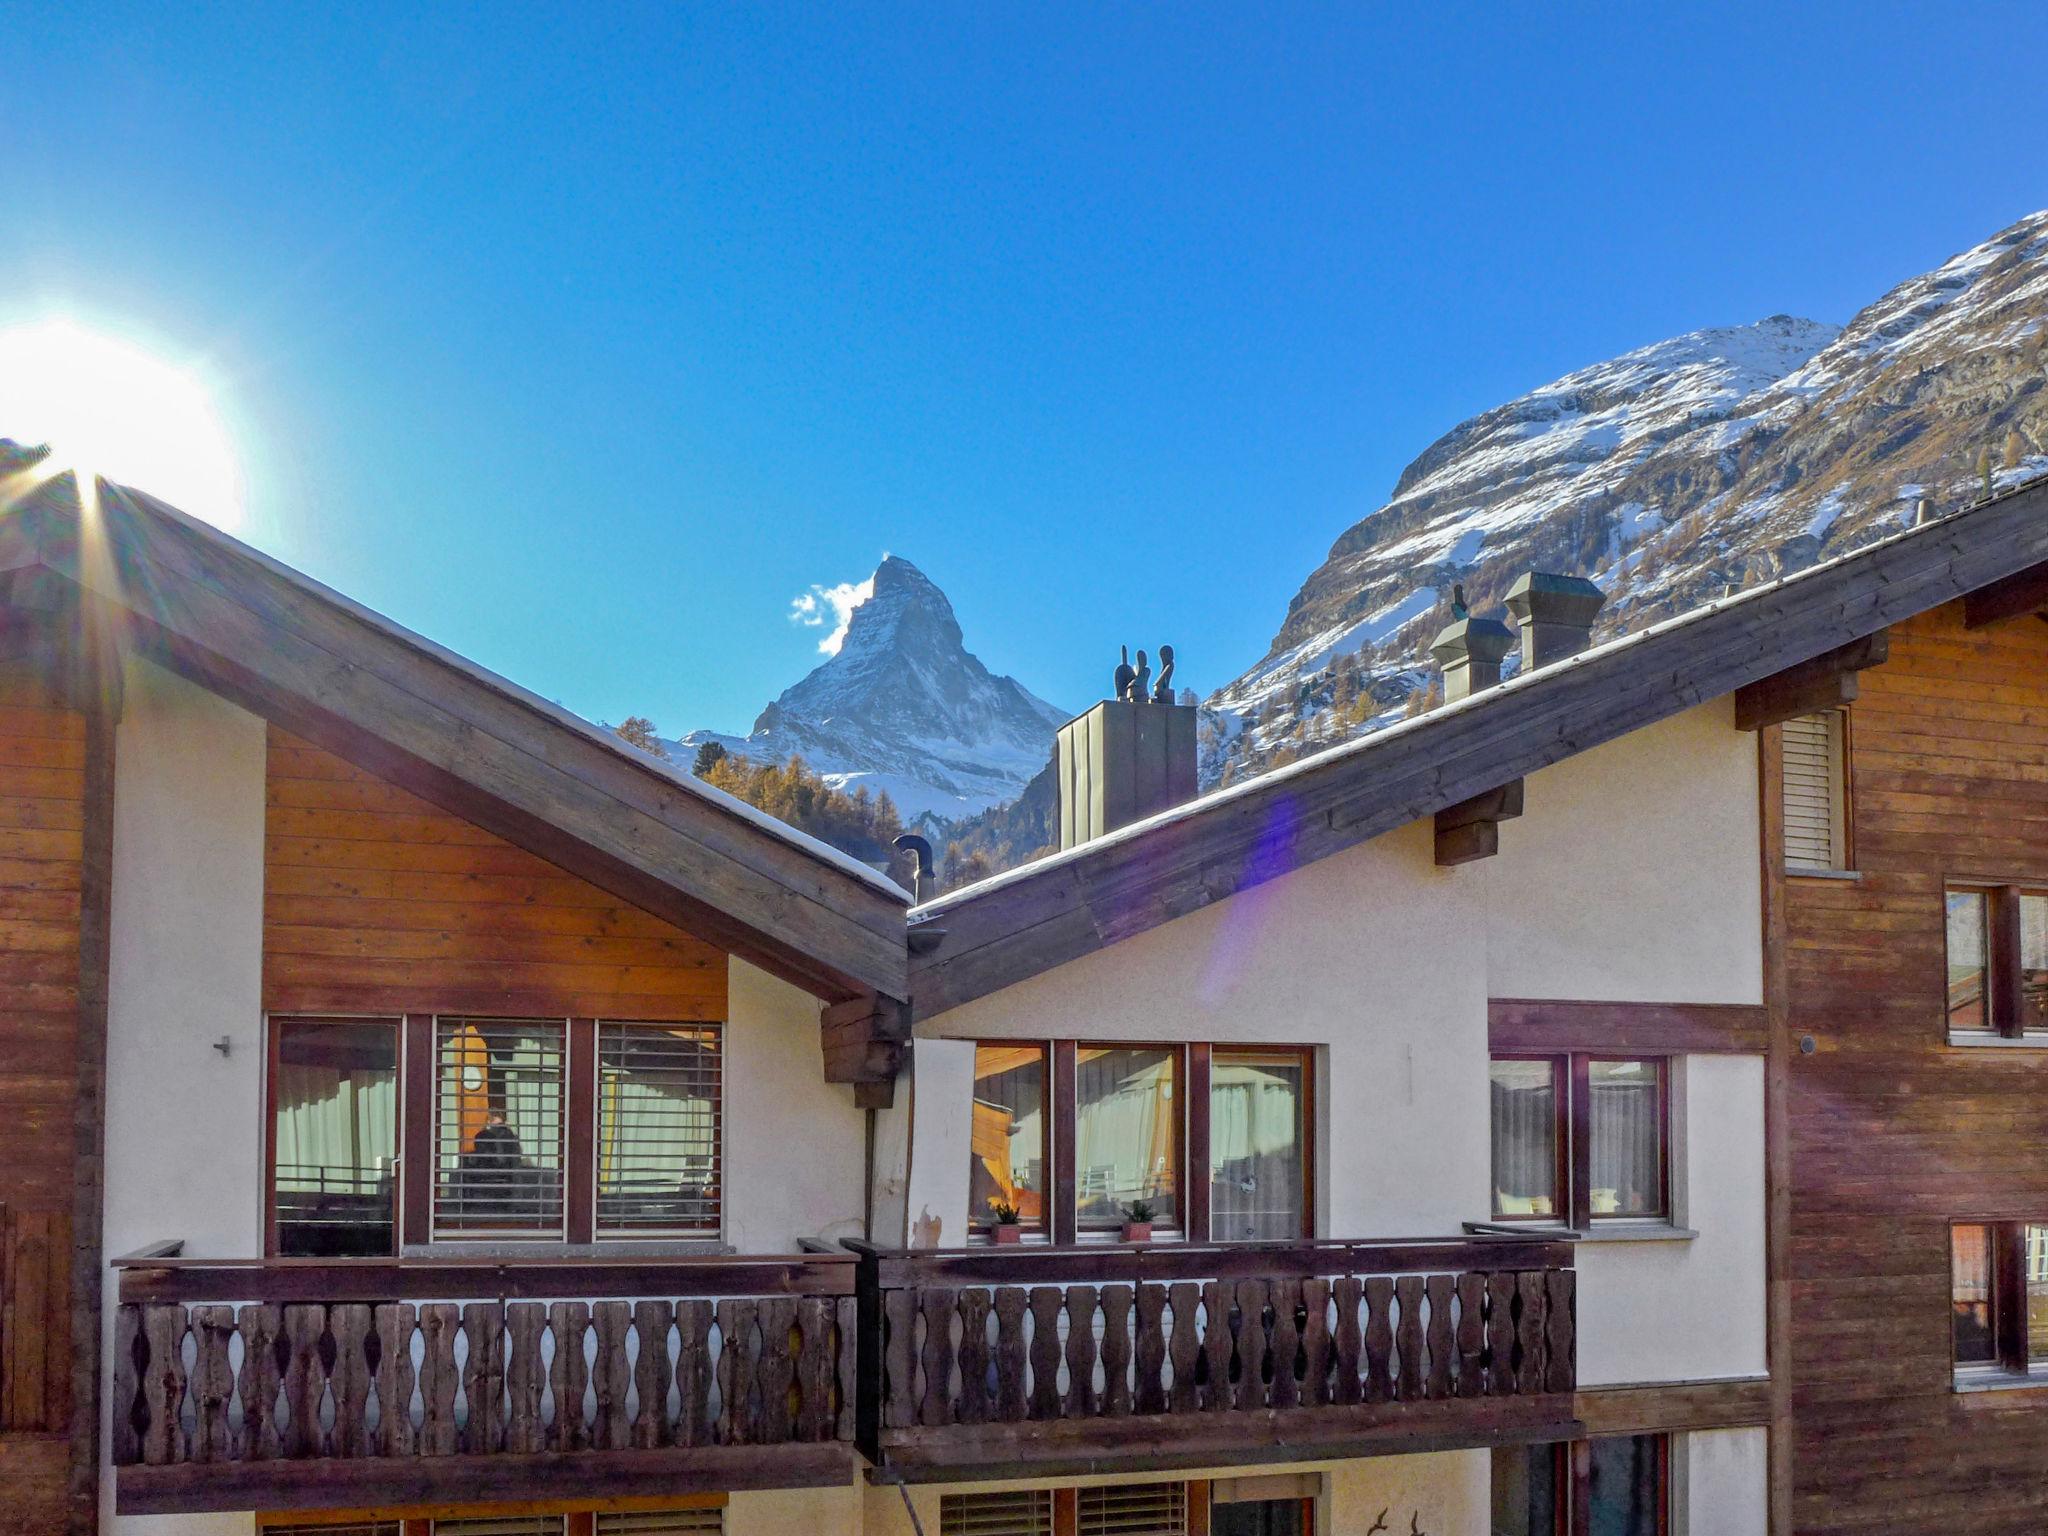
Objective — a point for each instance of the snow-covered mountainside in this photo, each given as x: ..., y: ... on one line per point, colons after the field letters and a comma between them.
x: 904, y: 707
x: 1716, y: 459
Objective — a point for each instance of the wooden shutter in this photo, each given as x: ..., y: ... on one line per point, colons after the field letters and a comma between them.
x: 1019, y: 1512
x: 1134, y: 1509
x: 1815, y: 833
x: 661, y: 1522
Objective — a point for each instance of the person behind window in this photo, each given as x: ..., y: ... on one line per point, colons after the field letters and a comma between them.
x: 492, y: 1168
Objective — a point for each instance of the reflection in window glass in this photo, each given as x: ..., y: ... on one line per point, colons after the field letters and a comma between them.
x: 1627, y: 1486
x: 1006, y: 1160
x: 1627, y: 1138
x: 1126, y: 1134
x: 1966, y: 961
x: 1260, y: 1517
x: 1257, y: 1126
x: 1970, y: 1294
x: 2037, y: 1292
x: 1524, y: 1138
x: 658, y: 1129
x: 1526, y: 1491
x: 336, y: 1098
x: 2033, y: 961
x: 498, y: 1126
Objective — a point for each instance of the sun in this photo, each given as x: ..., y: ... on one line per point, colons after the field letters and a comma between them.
x: 108, y: 407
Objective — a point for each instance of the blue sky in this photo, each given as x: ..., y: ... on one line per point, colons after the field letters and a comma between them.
x: 583, y: 340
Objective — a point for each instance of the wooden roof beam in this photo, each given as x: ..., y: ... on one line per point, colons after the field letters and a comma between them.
x: 1828, y: 681
x: 2021, y: 593
x: 1470, y: 829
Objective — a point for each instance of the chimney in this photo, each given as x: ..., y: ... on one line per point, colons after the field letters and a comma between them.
x: 1556, y: 614
x: 1470, y: 650
x: 1127, y: 758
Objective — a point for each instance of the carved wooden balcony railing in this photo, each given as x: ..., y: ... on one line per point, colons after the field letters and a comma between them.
x: 1177, y: 1355
x: 343, y: 1383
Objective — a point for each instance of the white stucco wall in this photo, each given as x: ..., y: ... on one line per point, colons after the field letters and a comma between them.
x: 1372, y: 953
x: 797, y: 1512
x: 795, y: 1144
x: 1725, y: 1487
x: 1693, y: 1309
x: 1632, y: 874
x: 184, y: 1122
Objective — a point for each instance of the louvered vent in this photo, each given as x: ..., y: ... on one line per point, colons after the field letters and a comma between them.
x: 1134, y: 1509
x: 360, y: 1528
x: 1022, y: 1512
x: 503, y: 1525
x: 662, y: 1522
x: 1814, y: 830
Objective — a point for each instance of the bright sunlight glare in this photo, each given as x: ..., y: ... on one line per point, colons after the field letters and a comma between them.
x: 108, y: 407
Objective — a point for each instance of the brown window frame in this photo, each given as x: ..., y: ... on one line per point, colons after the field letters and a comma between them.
x: 1572, y: 1476
x: 1194, y: 1068
x: 1573, y: 1139
x: 2011, y: 1341
x: 2004, y: 974
x: 418, y: 1108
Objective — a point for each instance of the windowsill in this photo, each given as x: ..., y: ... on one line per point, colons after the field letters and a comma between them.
x: 1798, y: 872
x: 1984, y: 1039
x: 1996, y: 1378
x: 485, y: 1249
x: 1621, y: 1230
x: 1106, y: 1239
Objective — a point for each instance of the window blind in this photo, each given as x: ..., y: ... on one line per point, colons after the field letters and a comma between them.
x: 503, y: 1525
x: 1133, y: 1509
x: 1814, y: 831
x: 1018, y: 1512
x: 498, y: 1089
x: 659, y: 1129
x: 662, y: 1522
x: 356, y: 1528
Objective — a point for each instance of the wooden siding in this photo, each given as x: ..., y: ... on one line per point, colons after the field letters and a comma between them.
x: 42, y: 816
x: 376, y: 901
x: 1894, y: 1132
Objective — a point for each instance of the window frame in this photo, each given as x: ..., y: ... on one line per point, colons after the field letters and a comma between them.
x: 1194, y: 1073
x: 1842, y: 793
x: 274, y: 1025
x: 1572, y: 1477
x: 1573, y: 1140
x: 2012, y: 1361
x: 595, y: 1111
x: 2005, y: 1013
x: 981, y: 1222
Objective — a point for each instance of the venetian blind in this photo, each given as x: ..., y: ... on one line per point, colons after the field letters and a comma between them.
x: 1134, y: 1509
x: 661, y: 1522
x: 1019, y: 1512
x: 355, y: 1528
x: 1813, y: 791
x: 503, y: 1525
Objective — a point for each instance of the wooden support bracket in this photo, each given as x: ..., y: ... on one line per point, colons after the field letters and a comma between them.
x: 2023, y: 592
x: 1471, y: 829
x: 864, y: 1040
x: 1828, y: 681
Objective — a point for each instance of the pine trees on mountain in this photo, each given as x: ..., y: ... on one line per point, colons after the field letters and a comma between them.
x: 709, y: 755
x: 859, y: 824
x: 639, y: 731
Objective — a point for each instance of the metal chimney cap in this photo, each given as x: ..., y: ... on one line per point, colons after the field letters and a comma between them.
x: 1545, y: 597
x: 1480, y: 640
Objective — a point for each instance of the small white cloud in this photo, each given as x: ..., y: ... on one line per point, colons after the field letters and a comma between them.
x: 815, y: 608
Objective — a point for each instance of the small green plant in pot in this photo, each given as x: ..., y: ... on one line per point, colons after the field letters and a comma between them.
x: 1138, y: 1222
x: 1006, y: 1228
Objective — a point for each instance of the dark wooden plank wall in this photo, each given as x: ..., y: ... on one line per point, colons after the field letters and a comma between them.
x: 42, y: 795
x: 376, y: 901
x: 1893, y: 1132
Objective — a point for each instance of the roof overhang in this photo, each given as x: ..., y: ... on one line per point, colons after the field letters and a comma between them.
x: 1004, y: 930
x: 190, y: 598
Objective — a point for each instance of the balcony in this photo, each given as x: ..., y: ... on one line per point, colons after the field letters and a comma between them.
x: 350, y: 1383
x: 1066, y: 1361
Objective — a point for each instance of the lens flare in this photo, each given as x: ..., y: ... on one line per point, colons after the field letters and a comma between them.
x: 108, y: 407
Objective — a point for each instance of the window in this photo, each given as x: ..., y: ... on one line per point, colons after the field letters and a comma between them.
x: 1816, y: 820
x: 1132, y: 1509
x: 660, y: 1522
x: 1007, y: 1138
x: 1997, y: 943
x: 1258, y: 1145
x: 1007, y: 1512
x: 1073, y: 1134
x: 1580, y: 1138
x: 333, y: 1137
x: 1614, y: 1486
x: 1263, y: 1506
x: 498, y: 1127
x: 1998, y: 1296
x: 659, y: 1090
x: 1126, y: 1134
x: 502, y: 1525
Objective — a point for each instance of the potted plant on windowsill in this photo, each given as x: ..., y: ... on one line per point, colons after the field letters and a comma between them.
x: 1138, y: 1222
x: 1006, y: 1228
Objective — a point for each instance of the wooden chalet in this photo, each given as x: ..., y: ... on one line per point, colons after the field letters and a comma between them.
x: 1560, y: 1112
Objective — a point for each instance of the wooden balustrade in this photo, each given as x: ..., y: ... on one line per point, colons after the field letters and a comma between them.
x: 1168, y: 1354
x: 349, y: 1368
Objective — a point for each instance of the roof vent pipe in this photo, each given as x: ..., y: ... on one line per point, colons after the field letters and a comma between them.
x: 1556, y: 614
x: 1469, y: 650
